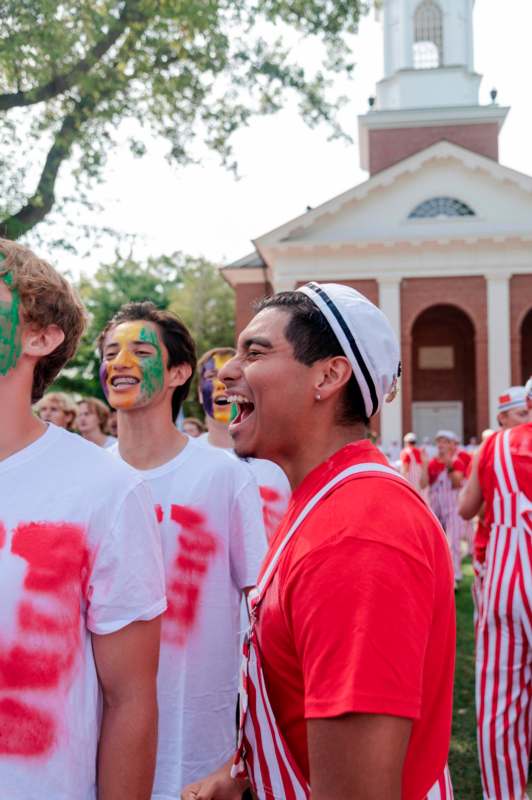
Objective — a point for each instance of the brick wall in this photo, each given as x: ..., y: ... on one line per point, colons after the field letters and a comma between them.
x: 521, y: 346
x: 246, y: 295
x: 388, y: 146
x: 468, y: 294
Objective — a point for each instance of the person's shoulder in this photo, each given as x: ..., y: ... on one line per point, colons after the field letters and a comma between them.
x: 218, y: 460
x: 376, y: 513
x: 267, y: 471
x: 95, y: 467
x: 521, y: 440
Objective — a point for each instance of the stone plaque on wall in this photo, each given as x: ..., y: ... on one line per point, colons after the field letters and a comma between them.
x: 436, y: 358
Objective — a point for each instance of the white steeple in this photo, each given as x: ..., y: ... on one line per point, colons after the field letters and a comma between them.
x: 428, y: 55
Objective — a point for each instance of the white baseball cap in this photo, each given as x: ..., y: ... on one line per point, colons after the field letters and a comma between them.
x: 528, y: 390
x: 365, y: 336
x: 443, y: 434
x: 514, y: 397
x: 410, y: 437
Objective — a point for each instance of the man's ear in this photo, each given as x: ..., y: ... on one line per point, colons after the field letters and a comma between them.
x: 40, y: 342
x: 179, y: 375
x: 333, y: 375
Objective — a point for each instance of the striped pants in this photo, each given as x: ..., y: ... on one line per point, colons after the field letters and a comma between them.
x: 504, y: 665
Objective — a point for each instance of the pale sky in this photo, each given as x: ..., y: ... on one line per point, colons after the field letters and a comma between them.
x: 285, y: 166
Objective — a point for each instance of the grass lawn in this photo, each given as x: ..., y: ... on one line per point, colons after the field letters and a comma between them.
x: 463, y: 756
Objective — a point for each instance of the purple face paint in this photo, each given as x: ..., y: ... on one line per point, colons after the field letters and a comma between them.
x: 103, y: 379
x: 206, y: 387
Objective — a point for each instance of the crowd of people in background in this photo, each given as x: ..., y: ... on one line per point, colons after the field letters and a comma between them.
x: 134, y: 555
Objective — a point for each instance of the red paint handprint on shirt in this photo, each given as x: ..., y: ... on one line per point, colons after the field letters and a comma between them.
x: 272, y: 509
x: 40, y: 637
x: 196, y: 549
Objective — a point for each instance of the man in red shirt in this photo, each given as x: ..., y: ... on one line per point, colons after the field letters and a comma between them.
x: 348, y: 669
x: 502, y: 479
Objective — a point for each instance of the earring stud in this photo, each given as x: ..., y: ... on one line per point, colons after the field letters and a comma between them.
x: 318, y: 396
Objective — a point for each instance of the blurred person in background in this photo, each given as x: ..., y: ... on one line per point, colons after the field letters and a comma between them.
x: 193, y: 427
x: 446, y: 476
x: 272, y: 482
x: 57, y: 408
x: 91, y: 421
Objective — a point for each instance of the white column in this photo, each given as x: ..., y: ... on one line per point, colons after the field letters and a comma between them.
x: 499, y: 357
x: 390, y: 305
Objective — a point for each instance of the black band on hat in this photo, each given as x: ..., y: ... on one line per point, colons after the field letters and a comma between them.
x: 353, y: 345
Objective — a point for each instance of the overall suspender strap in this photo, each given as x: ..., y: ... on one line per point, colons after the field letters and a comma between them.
x: 368, y: 467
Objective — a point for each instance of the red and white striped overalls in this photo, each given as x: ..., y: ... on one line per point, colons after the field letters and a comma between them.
x: 444, y: 503
x: 263, y: 755
x: 504, y: 637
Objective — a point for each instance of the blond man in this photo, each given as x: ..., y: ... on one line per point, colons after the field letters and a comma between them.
x: 57, y: 408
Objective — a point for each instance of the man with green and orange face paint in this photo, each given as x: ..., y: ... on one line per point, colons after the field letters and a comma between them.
x: 209, y: 512
x: 133, y: 370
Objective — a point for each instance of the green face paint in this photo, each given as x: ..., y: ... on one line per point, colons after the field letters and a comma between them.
x: 152, y: 367
x: 10, y: 334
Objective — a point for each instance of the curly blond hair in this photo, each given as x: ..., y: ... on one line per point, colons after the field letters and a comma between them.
x: 46, y: 298
x: 65, y: 402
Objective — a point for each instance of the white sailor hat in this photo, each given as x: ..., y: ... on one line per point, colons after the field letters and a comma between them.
x: 365, y: 336
x: 444, y: 434
x: 410, y: 437
x: 514, y: 397
x: 528, y: 390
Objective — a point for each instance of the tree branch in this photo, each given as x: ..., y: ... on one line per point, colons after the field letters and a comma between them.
x: 62, y: 83
x: 43, y: 199
x: 38, y: 206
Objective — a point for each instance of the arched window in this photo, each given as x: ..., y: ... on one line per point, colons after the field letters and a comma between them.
x: 428, y: 35
x: 441, y: 207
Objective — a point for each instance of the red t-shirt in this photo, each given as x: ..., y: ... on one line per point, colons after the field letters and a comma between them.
x: 466, y: 458
x: 436, y: 466
x: 411, y: 452
x: 521, y: 451
x: 359, y: 616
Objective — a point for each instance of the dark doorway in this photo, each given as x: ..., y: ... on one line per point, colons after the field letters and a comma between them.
x: 526, y: 347
x: 443, y: 362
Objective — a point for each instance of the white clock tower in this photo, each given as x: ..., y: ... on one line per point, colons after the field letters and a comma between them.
x: 429, y: 83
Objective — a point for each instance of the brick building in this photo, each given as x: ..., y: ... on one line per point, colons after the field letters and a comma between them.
x: 439, y: 236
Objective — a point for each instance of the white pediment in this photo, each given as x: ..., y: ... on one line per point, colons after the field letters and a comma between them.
x: 377, y: 211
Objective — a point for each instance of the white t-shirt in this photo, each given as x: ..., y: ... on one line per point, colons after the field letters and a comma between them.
x: 274, y: 491
x: 273, y: 485
x: 79, y: 553
x: 213, y: 543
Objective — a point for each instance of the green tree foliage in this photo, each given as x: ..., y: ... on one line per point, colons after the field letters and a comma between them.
x: 185, y: 70
x: 190, y: 287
